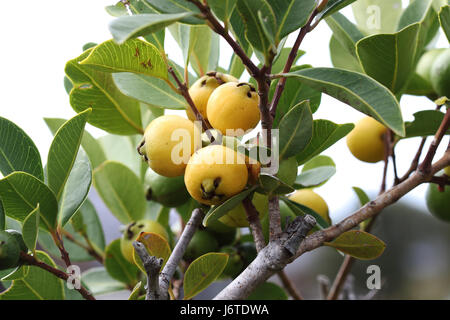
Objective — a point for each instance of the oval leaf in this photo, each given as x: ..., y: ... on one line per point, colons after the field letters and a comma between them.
x: 314, y: 177
x: 121, y: 190
x: 272, y: 185
x: 358, y: 244
x: 18, y: 152
x: 202, y: 272
x: 118, y: 267
x: 98, y: 281
x: 426, y: 123
x: 156, y: 246
x: 30, y: 229
x: 357, y: 90
x: 444, y: 19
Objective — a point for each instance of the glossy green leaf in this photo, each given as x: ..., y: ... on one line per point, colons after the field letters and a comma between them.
x: 127, y: 27
x: 222, y: 8
x: 38, y: 284
x: 142, y: 7
x: 22, y: 192
x: 377, y: 16
x: 301, y: 210
x: 121, y: 190
x: 268, y: 291
x: 314, y: 177
x: 291, y: 15
x: 295, y: 130
x: 345, y: 32
x: 444, y: 19
x: 2, y: 217
x: 358, y: 244
x: 426, y: 123
x: 362, y: 196
x: 133, y: 55
x: 112, y: 111
x: 63, y: 152
x: 357, y: 90
x: 176, y: 6
x: 134, y: 295
x: 17, y: 273
x: 150, y: 90
x: 76, y: 189
x: 341, y: 58
x: 88, y: 142
x: 117, y: 10
x: 419, y: 86
x: 325, y: 134
x: 272, y: 185
x: 255, y: 29
x: 218, y: 211
x: 280, y: 59
x: 118, y: 267
x: 390, y: 58
x: 156, y: 246
x: 333, y: 6
x: 17, y: 151
x: 202, y: 272
x: 30, y: 229
x: 98, y: 281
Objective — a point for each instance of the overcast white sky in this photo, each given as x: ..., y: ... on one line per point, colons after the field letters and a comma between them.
x: 39, y: 37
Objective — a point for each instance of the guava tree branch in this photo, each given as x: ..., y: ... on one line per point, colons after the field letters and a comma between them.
x: 178, y: 252
x: 255, y: 224
x: 152, y: 265
x: 32, y: 261
x: 215, y: 25
x: 60, y: 245
x: 289, y: 286
x: 89, y: 248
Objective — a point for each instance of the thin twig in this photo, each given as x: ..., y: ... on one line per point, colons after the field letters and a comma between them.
x: 415, y: 162
x: 89, y: 249
x: 289, y: 286
x: 340, y: 277
x: 31, y: 260
x: 179, y: 250
x: 60, y: 245
x: 255, y: 224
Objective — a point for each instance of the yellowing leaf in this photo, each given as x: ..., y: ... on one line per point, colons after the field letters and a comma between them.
x: 156, y: 246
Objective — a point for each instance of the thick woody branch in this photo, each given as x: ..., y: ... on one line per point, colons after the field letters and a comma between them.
x: 179, y: 250
x: 152, y: 265
x: 272, y: 259
x: 255, y: 224
x: 32, y: 261
x: 274, y: 218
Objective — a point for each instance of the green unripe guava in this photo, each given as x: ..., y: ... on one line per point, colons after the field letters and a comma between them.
x: 9, y: 251
x: 170, y: 192
x: 438, y: 203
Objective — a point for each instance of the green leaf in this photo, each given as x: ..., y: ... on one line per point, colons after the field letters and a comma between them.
x: 268, y: 291
x: 117, y: 10
x: 291, y: 15
x: 127, y: 27
x: 341, y: 58
x: 112, y: 111
x: 345, y: 32
x: 30, y: 229
x: 218, y: 211
x: 118, y: 267
x: 362, y: 196
x: 314, y: 177
x: 2, y: 218
x: 296, y: 129
x: 375, y: 17
x: 444, y: 19
x: 98, y: 281
x: 333, y: 6
x: 156, y: 246
x: 134, y: 295
x: 176, y: 6
x: 390, y: 58
x: 280, y: 59
x: 301, y: 210
x: 63, y: 152
x: 255, y: 30
x: 76, y: 189
x: 294, y: 92
x: 204, y: 49
x: 21, y: 193
x: 325, y: 134
x: 133, y: 55
x: 121, y: 190
x: 202, y: 272
x: 357, y: 90
x: 150, y: 90
x: 17, y: 151
x: 426, y: 123
x: 358, y: 244
x: 38, y: 284
x: 141, y: 7
x: 418, y: 86
x: 17, y: 273
x: 222, y: 8
x: 272, y: 185
x: 88, y: 142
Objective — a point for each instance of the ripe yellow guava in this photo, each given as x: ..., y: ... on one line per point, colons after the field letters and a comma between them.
x: 202, y: 89
x: 312, y: 200
x: 215, y: 173
x: 366, y: 140
x: 233, y: 106
x: 169, y: 142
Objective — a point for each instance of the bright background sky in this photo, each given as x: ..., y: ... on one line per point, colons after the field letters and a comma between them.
x: 39, y: 37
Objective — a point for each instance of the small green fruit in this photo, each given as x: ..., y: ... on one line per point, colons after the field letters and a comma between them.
x: 9, y: 251
x: 201, y: 243
x: 224, y: 234
x: 438, y: 203
x: 170, y: 192
x: 440, y: 74
x: 247, y: 251
x: 19, y: 239
x: 235, y: 264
